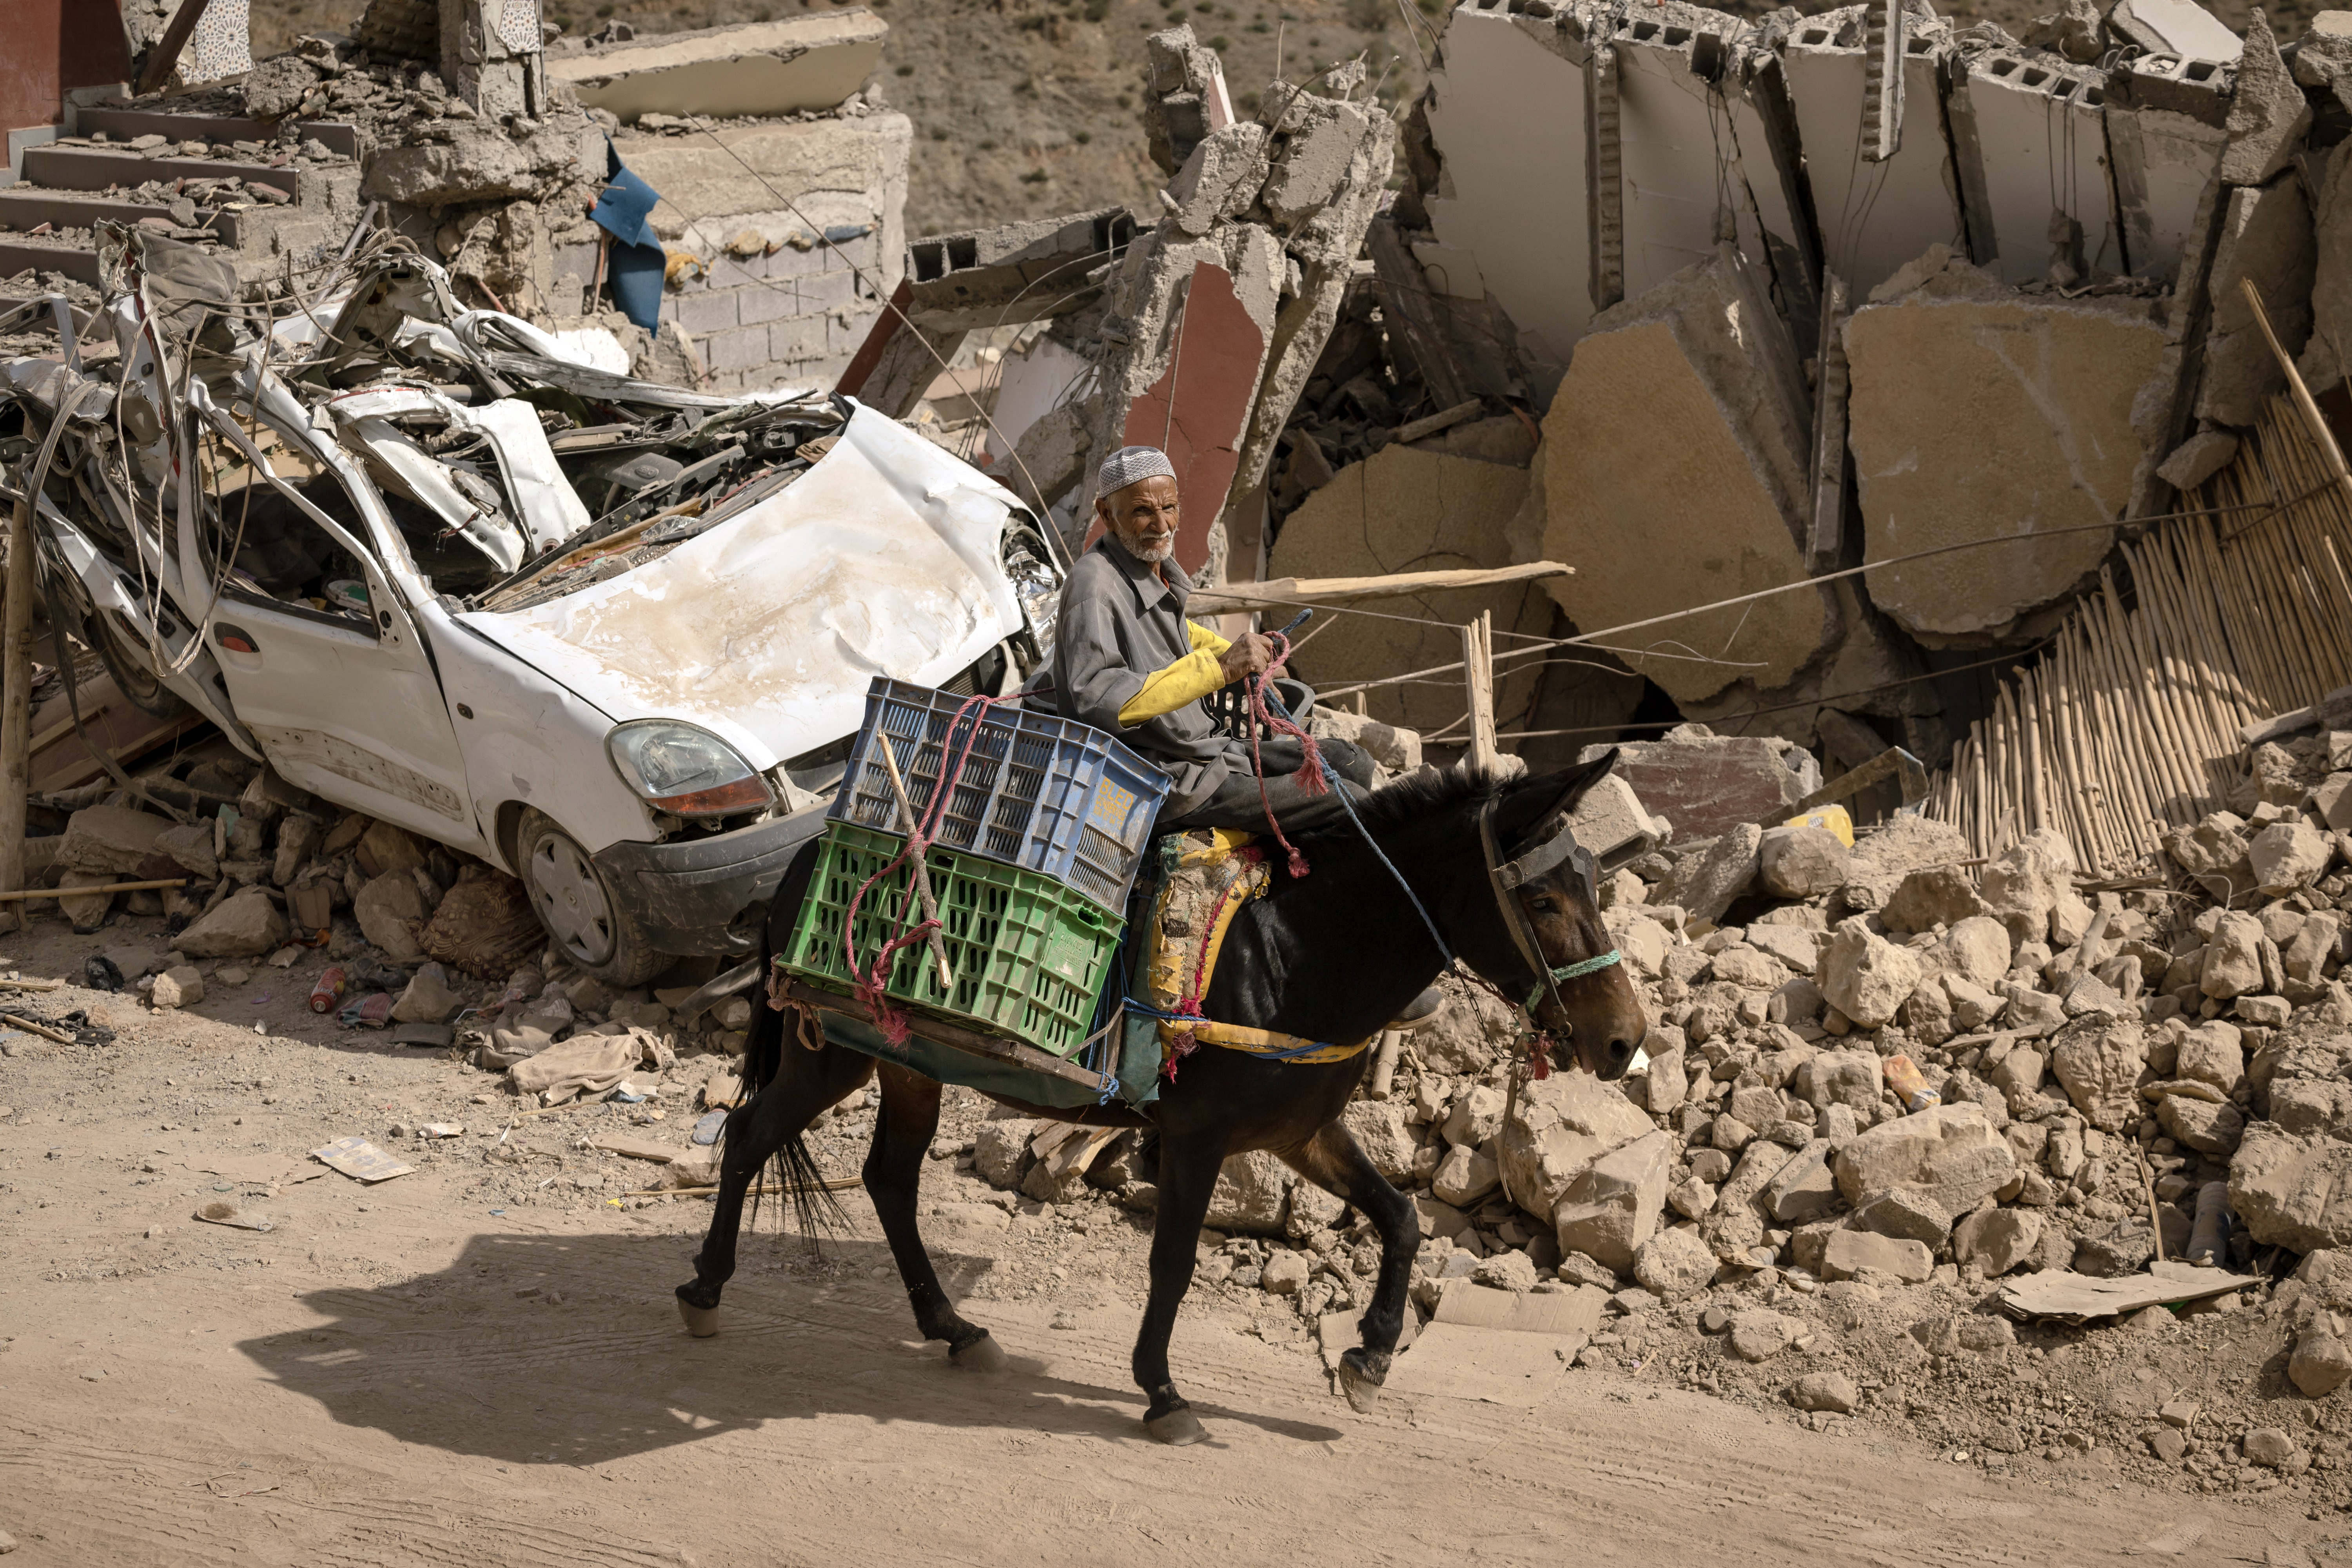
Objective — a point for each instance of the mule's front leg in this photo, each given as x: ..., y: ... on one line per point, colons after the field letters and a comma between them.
x: 1188, y: 1175
x: 894, y: 1169
x: 1332, y: 1160
x: 807, y: 1082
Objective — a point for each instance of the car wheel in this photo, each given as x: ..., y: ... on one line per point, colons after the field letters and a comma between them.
x: 572, y: 900
x: 126, y: 660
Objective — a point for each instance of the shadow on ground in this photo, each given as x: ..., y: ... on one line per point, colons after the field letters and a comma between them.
x: 541, y: 1349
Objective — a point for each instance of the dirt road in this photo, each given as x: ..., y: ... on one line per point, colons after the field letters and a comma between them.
x: 457, y: 1367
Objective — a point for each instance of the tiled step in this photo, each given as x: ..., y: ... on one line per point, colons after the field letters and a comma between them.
x: 125, y: 124
x: 92, y: 169
x: 78, y: 263
x: 23, y: 208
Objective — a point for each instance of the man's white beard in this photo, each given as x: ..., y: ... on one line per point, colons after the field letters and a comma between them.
x: 1149, y: 554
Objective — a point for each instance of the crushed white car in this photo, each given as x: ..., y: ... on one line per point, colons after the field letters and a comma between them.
x: 609, y: 636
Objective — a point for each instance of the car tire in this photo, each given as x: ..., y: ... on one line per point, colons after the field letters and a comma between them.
x: 127, y: 661
x: 574, y: 901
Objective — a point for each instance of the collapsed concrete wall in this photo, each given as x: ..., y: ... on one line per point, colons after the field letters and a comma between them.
x: 1978, y: 412
x: 758, y: 68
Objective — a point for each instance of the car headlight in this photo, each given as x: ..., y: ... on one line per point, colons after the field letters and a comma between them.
x: 687, y: 772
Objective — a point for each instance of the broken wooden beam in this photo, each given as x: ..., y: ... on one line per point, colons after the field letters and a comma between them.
x: 1289, y: 592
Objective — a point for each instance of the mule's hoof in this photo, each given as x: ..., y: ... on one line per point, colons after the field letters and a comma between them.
x: 1178, y: 1428
x: 983, y: 1354
x: 700, y: 1322
x: 1363, y: 1393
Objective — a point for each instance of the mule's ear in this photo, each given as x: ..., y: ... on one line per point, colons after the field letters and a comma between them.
x: 1535, y: 808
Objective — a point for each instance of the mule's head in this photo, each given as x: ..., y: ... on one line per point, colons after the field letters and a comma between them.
x: 1597, y: 1017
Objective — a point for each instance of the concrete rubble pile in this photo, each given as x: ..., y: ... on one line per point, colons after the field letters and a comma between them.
x: 781, y: 175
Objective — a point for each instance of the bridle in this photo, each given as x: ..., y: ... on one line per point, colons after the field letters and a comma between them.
x: 1504, y: 877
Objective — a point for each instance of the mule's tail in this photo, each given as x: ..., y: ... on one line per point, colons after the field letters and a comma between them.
x: 815, y: 1209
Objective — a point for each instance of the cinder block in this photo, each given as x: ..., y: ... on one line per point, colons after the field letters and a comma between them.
x: 709, y: 312
x: 578, y: 259
x: 734, y: 271
x: 765, y: 302
x: 791, y: 261
x: 828, y: 290
x: 797, y: 338
x: 739, y: 348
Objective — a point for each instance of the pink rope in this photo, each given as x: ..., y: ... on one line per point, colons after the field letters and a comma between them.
x: 868, y: 984
x: 1308, y: 778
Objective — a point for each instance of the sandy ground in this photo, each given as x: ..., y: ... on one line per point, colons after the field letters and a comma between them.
x: 480, y: 1363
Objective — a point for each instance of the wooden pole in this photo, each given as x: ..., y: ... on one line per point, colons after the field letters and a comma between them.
x: 83, y: 893
x: 2331, y: 457
x: 167, y: 49
x: 923, y: 878
x: 1478, y: 675
x: 17, y: 705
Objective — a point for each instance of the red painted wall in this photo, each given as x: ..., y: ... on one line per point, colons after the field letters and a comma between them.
x: 48, y: 46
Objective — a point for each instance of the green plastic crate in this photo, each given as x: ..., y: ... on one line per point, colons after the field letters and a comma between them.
x: 1028, y: 955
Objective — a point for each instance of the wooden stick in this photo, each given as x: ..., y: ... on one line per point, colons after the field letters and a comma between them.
x: 34, y: 984
x: 2331, y: 457
x: 1384, y: 1065
x: 88, y: 892
x: 922, y: 877
x: 16, y: 704
x: 167, y: 50
x: 1284, y: 592
x: 1478, y: 675
x: 32, y: 1029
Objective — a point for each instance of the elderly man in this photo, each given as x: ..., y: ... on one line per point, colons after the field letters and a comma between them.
x: 1125, y: 660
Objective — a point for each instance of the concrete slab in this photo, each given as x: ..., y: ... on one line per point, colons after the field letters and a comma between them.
x: 1405, y: 509
x: 1706, y: 785
x: 2323, y: 363
x: 2168, y: 173
x: 1507, y: 115
x: 1949, y: 366
x: 1677, y: 471
x: 1494, y: 1366
x: 1874, y: 217
x: 2266, y: 234
x: 799, y: 64
x: 2033, y: 130
x: 2180, y: 28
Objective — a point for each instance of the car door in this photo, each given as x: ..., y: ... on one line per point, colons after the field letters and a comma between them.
x: 342, y: 694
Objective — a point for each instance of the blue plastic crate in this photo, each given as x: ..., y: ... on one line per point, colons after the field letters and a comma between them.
x: 1043, y: 794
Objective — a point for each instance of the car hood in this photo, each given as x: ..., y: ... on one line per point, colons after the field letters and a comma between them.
x: 883, y: 559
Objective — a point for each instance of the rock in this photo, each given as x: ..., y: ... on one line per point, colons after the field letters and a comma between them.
x: 2308, y: 950
x: 1743, y: 966
x: 1558, y: 1127
x: 2165, y: 1443
x: 998, y: 1149
x: 1759, y: 1335
x: 1865, y: 976
x: 1996, y: 1240
x: 1850, y: 1079
x: 178, y: 986
x: 1706, y: 885
x: 1804, y: 1188
x: 2214, y: 1053
x: 389, y: 910
x: 247, y: 924
x: 1959, y: 1331
x: 1937, y: 896
x: 1311, y: 1209
x: 1801, y: 862
x: 2233, y: 958
x: 1476, y: 1118
x: 2268, y: 114
x: 2019, y: 1079
x: 88, y: 912
x: 191, y: 847
x: 1674, y: 1264
x: 2321, y: 1362
x: 1383, y: 1132
x: 1850, y: 1252
x: 2099, y: 1057
x: 2286, y: 855
x: 1907, y: 1216
x: 1613, y: 1207
x: 2201, y: 1125
x: 2025, y: 883
x: 1978, y: 947
x: 1972, y: 1006
x: 2292, y: 1191
x: 1513, y: 1270
x: 1951, y: 1154
x: 1793, y: 945
x: 298, y: 840
x: 1251, y: 1191
x: 1285, y: 1274
x: 428, y: 998
x: 1464, y: 1176
x: 114, y: 839
x: 2115, y: 1256
x: 2269, y: 1446
x: 2264, y: 1012
x: 2214, y: 853
x: 1825, y: 1391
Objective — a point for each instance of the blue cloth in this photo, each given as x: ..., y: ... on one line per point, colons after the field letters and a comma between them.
x: 638, y: 263
x: 637, y: 271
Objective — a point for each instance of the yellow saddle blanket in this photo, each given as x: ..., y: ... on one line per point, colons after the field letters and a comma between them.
x: 1215, y: 872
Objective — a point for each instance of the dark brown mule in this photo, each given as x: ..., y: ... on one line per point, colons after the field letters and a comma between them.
x: 1331, y: 957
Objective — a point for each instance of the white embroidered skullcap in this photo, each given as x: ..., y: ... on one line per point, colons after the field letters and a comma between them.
x: 1129, y: 464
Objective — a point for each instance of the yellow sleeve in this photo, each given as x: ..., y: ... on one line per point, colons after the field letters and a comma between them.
x: 1203, y: 637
